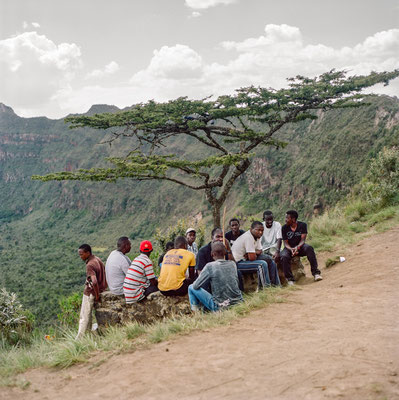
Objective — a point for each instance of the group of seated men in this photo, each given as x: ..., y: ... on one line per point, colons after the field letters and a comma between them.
x: 211, y: 276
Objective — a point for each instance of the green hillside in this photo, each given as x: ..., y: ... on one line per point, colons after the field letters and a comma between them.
x: 42, y: 224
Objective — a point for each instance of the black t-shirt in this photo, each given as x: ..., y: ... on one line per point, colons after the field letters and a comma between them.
x: 294, y: 237
x: 204, y: 256
x: 229, y: 236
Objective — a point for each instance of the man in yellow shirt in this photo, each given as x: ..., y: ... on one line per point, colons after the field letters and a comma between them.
x: 172, y: 281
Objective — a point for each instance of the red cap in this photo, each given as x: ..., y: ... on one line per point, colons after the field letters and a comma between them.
x: 145, y: 246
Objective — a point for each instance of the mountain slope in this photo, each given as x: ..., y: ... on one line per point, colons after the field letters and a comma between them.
x: 42, y: 224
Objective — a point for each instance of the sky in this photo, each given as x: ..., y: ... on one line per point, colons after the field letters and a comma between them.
x: 60, y: 57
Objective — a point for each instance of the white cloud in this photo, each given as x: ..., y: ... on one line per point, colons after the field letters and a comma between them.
x: 109, y: 69
x: 267, y: 60
x: 178, y: 62
x: 195, y: 14
x: 33, y: 68
x: 204, y: 4
x: 26, y: 25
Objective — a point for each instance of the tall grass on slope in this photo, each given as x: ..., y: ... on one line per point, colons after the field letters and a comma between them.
x: 65, y: 351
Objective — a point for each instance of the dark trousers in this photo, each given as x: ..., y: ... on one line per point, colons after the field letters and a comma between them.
x: 150, y: 289
x: 182, y: 291
x: 305, y: 250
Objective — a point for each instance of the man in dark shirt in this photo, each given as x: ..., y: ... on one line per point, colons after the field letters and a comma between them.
x: 294, y: 234
x: 235, y: 232
x: 94, y: 285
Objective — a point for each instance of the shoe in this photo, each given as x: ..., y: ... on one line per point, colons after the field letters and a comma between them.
x: 318, y: 277
x: 290, y: 283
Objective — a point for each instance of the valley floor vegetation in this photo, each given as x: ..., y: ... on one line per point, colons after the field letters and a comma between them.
x: 372, y: 207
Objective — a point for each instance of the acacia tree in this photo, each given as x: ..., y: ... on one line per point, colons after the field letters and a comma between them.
x: 231, y: 127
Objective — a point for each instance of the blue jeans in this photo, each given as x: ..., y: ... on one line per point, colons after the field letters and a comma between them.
x: 200, y: 297
x: 266, y: 269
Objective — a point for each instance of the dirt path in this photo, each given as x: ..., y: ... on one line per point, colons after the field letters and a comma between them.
x: 338, y: 338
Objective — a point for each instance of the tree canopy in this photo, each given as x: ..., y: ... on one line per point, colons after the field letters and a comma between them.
x: 231, y: 127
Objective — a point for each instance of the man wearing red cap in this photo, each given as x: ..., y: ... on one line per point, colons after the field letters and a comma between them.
x: 140, y: 279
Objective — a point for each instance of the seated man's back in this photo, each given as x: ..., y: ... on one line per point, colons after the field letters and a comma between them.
x: 174, y: 267
x: 223, y: 278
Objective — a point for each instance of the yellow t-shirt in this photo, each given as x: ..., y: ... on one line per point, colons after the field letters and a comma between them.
x: 174, y: 267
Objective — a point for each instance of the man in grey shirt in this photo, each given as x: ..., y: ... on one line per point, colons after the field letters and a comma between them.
x: 222, y: 276
x: 117, y: 265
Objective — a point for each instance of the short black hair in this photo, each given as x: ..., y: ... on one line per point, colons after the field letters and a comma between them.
x: 214, y: 230
x: 267, y: 213
x: 255, y: 224
x: 180, y: 242
x: 169, y: 245
x: 234, y: 219
x: 218, y: 248
x: 293, y: 214
x: 121, y: 241
x: 86, y: 248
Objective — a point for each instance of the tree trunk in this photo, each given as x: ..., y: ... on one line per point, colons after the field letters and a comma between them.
x: 216, y: 214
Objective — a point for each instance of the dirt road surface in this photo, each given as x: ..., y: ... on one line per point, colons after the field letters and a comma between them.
x: 334, y: 339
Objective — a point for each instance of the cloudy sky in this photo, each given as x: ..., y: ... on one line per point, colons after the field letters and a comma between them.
x: 62, y: 56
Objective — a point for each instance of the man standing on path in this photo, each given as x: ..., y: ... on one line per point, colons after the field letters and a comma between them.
x: 140, y: 279
x: 271, y: 239
x: 191, y: 235
x: 294, y: 234
x: 117, y: 265
x: 172, y: 280
x: 94, y: 285
x: 221, y: 276
x: 235, y: 232
x: 247, y: 252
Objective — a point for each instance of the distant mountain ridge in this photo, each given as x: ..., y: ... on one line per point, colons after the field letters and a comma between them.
x: 42, y: 224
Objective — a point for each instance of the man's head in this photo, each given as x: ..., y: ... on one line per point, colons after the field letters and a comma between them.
x: 217, y: 235
x: 257, y: 229
x: 124, y: 245
x: 146, y: 247
x: 268, y: 218
x: 169, y: 246
x: 234, y: 224
x: 180, y: 243
x: 218, y: 250
x: 84, y: 251
x: 291, y: 217
x: 190, y: 236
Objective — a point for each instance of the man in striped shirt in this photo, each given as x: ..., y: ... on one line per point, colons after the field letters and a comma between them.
x: 140, y: 279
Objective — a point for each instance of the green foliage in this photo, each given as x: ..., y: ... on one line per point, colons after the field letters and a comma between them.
x: 15, y: 323
x: 381, y: 184
x: 179, y: 229
x: 70, y: 310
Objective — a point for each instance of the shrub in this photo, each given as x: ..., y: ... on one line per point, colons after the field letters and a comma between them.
x: 179, y: 229
x: 70, y: 309
x: 381, y: 184
x: 16, y: 323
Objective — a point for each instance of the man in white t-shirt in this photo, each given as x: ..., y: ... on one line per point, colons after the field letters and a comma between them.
x: 272, y: 238
x: 247, y: 252
x: 117, y: 265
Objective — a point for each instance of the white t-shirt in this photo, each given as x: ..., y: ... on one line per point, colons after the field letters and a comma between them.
x: 245, y: 243
x: 270, y: 236
x: 115, y: 270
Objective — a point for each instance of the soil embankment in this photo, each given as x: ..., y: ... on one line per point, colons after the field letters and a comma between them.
x: 338, y: 338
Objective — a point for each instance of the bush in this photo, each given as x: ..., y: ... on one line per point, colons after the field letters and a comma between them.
x: 16, y: 323
x: 70, y: 309
x: 381, y: 184
x: 179, y: 229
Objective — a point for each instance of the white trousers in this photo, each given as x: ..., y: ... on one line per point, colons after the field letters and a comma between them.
x: 85, y: 319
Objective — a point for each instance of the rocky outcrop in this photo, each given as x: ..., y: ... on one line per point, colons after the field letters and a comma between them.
x: 113, y: 310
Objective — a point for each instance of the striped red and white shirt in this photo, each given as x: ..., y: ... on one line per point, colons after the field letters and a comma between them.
x: 138, y: 278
